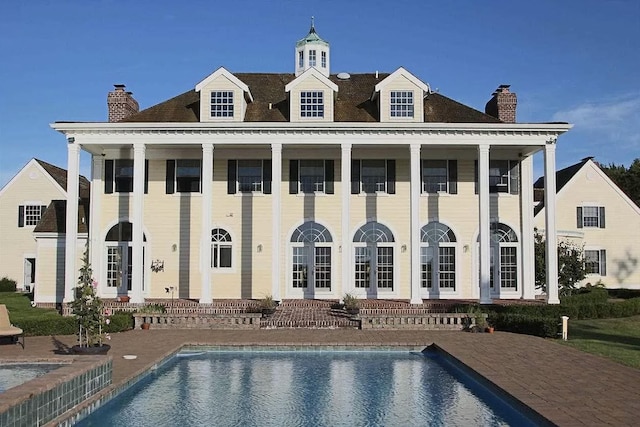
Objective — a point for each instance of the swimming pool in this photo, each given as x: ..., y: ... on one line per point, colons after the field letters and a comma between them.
x: 14, y: 374
x: 304, y: 388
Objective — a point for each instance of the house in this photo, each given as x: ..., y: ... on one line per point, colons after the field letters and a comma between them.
x: 23, y: 202
x: 311, y: 185
x: 595, y: 214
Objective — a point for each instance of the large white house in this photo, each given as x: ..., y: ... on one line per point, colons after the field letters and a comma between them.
x: 596, y: 215
x: 311, y: 185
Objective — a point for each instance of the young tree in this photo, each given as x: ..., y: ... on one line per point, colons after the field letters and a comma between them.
x: 571, y: 268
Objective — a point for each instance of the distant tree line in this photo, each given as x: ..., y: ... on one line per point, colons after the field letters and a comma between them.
x: 627, y: 179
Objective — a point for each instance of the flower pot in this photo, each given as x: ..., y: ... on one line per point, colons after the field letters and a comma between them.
x: 490, y: 329
x: 145, y: 326
x: 123, y: 298
x: 96, y: 349
x: 266, y: 312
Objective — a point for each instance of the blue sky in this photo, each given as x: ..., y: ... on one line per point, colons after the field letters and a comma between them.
x: 574, y: 60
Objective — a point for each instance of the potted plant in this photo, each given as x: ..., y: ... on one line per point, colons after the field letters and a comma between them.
x: 151, y: 309
x: 90, y: 313
x: 351, y: 305
x: 481, y: 320
x: 268, y: 305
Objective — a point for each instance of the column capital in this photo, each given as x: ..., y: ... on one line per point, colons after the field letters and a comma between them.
x: 139, y: 147
x: 276, y: 146
x: 346, y: 146
x: 73, y: 146
x: 415, y: 147
x: 551, y: 142
x: 207, y: 146
x: 484, y: 147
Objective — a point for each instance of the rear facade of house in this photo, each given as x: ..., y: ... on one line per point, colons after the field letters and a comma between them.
x: 310, y: 185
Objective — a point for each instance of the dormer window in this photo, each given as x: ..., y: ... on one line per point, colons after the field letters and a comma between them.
x: 401, y: 103
x: 311, y: 104
x: 323, y: 59
x: 222, y: 103
x: 312, y: 58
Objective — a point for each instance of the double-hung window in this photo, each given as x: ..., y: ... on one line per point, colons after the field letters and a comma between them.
x: 184, y: 176
x: 323, y: 59
x: 249, y: 176
x: 311, y: 176
x: 595, y: 262
x: 312, y: 104
x: 504, y: 176
x: 29, y: 215
x: 118, y: 176
x: 401, y: 103
x: 222, y: 103
x: 590, y: 216
x: 312, y: 58
x: 439, y: 176
x: 373, y: 176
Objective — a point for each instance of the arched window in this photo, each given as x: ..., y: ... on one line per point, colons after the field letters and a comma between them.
x: 374, y: 261
x: 311, y: 232
x: 438, y: 256
x: 221, y: 249
x: 373, y: 232
x: 504, y: 257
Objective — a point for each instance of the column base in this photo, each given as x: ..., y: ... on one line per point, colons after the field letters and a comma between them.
x: 555, y: 300
x: 205, y: 301
x: 416, y: 301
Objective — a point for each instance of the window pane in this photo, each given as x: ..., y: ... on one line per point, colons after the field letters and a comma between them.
x: 311, y: 176
x: 187, y: 176
x: 222, y: 104
x: 249, y: 175
x: 225, y: 256
x: 590, y: 215
x: 311, y: 104
x: 592, y: 262
x: 426, y: 261
x: 499, y: 176
x: 362, y: 267
x: 508, y: 268
x: 401, y: 103
x: 435, y: 176
x: 32, y: 214
x: 374, y: 176
x: 123, y: 175
x: 447, y: 267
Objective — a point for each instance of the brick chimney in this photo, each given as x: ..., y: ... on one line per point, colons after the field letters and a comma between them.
x: 502, y: 105
x: 121, y: 104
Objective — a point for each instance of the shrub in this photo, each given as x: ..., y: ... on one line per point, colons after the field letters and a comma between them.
x: 624, y: 293
x: 48, y: 326
x: 587, y: 295
x: 7, y: 285
x: 120, y: 321
x: 524, y: 324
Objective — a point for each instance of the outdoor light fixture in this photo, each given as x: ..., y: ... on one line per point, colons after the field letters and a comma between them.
x: 259, y: 248
x: 403, y: 248
x: 157, y: 265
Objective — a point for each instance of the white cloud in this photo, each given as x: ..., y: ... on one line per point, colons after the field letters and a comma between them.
x: 605, y: 115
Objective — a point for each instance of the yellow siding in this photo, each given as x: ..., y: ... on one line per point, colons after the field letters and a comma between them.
x: 34, y: 187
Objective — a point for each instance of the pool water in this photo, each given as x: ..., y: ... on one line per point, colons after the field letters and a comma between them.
x: 14, y: 374
x: 305, y: 388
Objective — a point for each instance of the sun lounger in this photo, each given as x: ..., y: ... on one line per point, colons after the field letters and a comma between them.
x: 7, y: 329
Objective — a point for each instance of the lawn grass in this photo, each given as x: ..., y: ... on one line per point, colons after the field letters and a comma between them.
x: 616, y: 339
x: 19, y: 307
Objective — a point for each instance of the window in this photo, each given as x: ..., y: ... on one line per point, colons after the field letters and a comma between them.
x: 401, y: 103
x: 595, y: 262
x: 311, y: 176
x: 311, y: 257
x: 374, y: 257
x: 439, y: 240
x: 222, y: 103
x: 183, y: 176
x: 312, y: 58
x: 504, y: 176
x: 590, y: 216
x: 311, y: 104
x: 300, y: 59
x: 29, y: 215
x: 249, y: 176
x: 221, y: 248
x: 323, y: 59
x: 373, y: 176
x: 503, y: 273
x: 440, y: 176
x: 118, y: 176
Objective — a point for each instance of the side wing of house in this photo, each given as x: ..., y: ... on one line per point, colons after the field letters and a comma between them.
x: 592, y: 211
x: 23, y: 200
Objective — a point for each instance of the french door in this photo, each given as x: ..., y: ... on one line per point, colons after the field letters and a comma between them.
x: 373, y: 268
x: 311, y: 269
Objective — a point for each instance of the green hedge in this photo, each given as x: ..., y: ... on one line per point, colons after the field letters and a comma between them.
x: 7, y: 285
x: 587, y: 295
x: 524, y: 324
x: 58, y: 325
x: 624, y: 293
x: 120, y: 321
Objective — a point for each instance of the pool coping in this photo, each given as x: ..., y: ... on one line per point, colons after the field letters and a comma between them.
x: 101, y: 398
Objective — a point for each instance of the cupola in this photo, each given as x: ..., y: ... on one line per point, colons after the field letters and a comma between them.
x: 312, y: 52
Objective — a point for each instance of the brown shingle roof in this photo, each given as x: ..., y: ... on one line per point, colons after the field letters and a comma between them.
x: 352, y: 104
x: 60, y: 176
x: 53, y: 219
x: 563, y: 176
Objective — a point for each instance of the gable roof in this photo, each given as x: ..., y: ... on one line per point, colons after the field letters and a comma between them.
x: 407, y: 75
x: 60, y: 176
x: 54, y: 218
x: 270, y: 103
x: 564, y: 176
x: 311, y: 72
x: 222, y: 72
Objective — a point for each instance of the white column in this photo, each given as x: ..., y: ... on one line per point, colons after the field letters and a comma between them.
x: 416, y: 298
x: 550, y: 221
x: 71, y: 229
x: 95, y: 246
x: 276, y: 218
x: 483, y: 208
x: 137, y: 274
x: 526, y: 208
x: 345, y: 192
x: 205, y: 232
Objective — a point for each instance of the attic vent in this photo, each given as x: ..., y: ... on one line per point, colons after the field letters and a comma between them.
x: 343, y: 76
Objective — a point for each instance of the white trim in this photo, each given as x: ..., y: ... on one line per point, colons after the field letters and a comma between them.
x: 311, y: 72
x: 224, y: 72
x: 35, y: 162
x: 406, y: 74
